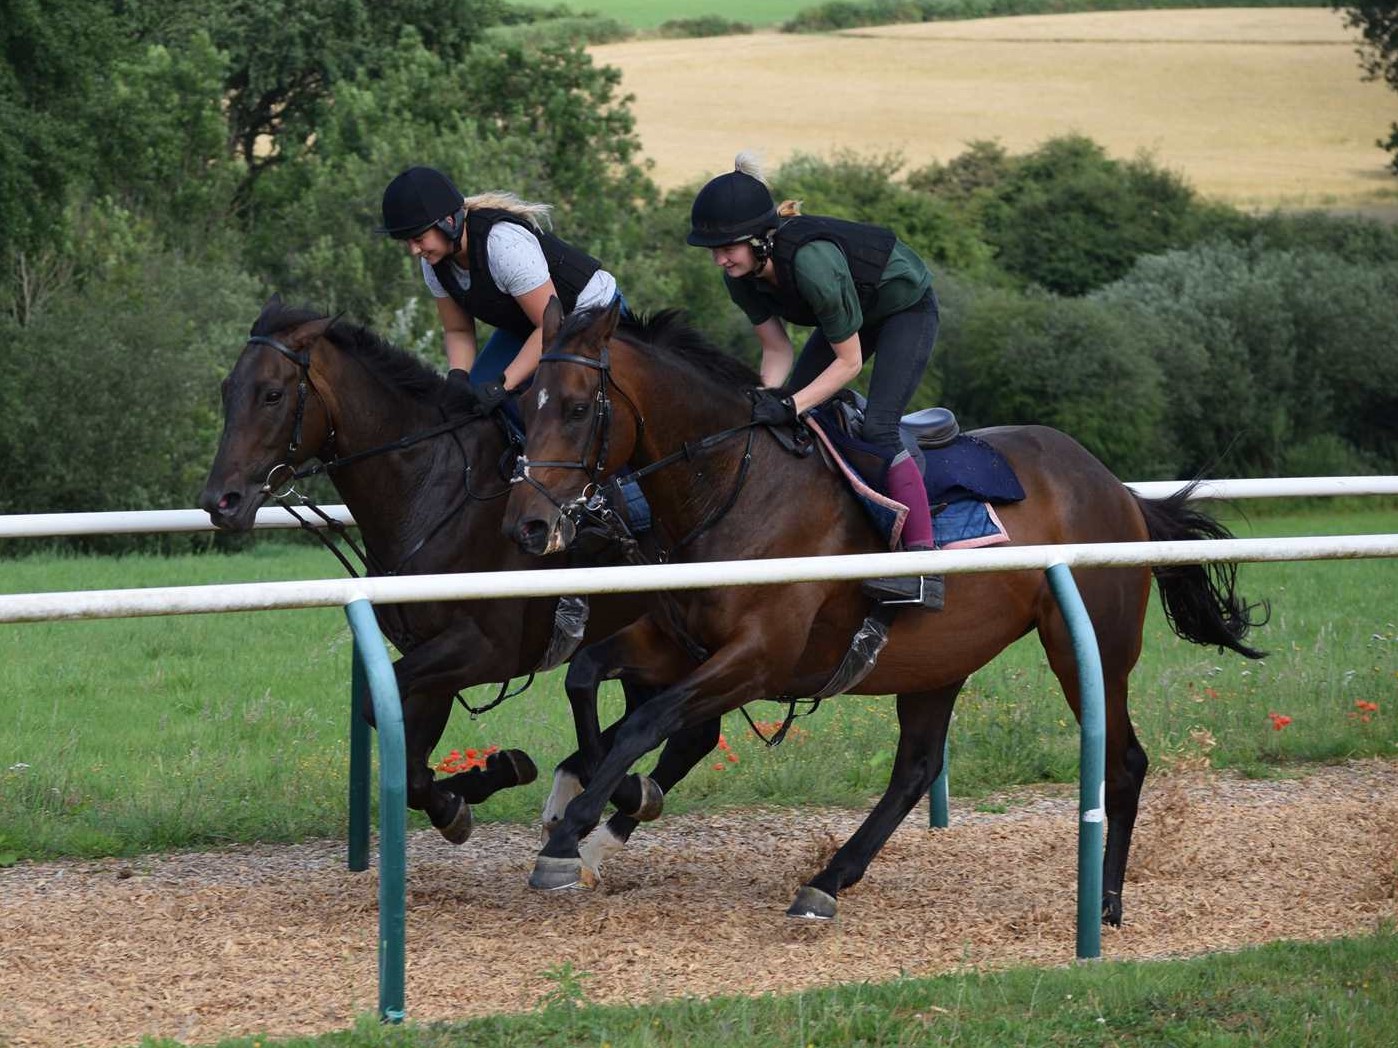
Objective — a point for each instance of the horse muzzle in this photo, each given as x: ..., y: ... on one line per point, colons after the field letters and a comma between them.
x: 231, y: 509
x: 538, y: 538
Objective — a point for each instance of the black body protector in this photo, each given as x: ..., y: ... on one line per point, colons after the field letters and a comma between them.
x: 569, y: 267
x: 866, y: 248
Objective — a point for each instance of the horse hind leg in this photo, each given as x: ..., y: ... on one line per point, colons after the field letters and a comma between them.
x: 923, y: 719
x: 1126, y: 760
x: 1123, y: 800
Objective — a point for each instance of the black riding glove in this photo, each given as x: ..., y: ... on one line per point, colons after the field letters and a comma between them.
x: 458, y: 396
x: 771, y: 409
x: 490, y: 395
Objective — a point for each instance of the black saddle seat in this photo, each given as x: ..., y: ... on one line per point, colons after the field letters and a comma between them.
x: 929, y: 428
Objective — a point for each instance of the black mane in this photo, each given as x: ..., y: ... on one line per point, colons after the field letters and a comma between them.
x: 670, y: 332
x: 394, y: 366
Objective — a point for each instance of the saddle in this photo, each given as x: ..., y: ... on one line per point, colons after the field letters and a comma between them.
x: 927, y: 429
x: 957, y: 465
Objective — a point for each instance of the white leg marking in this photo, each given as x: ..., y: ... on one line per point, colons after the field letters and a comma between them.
x: 566, y: 786
x: 596, y: 849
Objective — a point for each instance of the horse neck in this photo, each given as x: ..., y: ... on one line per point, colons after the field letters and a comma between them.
x: 682, y: 406
x: 397, y: 497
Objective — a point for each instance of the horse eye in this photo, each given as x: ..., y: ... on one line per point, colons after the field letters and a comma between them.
x: 577, y: 411
x: 272, y: 396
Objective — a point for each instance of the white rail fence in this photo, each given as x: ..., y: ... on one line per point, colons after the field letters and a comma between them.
x: 406, y: 589
x: 51, y: 525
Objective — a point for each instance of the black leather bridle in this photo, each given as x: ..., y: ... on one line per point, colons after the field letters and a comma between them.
x: 587, y: 504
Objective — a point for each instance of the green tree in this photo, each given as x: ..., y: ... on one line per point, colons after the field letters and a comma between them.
x: 1377, y: 22
x: 1010, y: 357
x: 109, y: 399
x: 544, y: 122
x: 287, y: 57
x: 54, y: 58
x: 1267, y: 352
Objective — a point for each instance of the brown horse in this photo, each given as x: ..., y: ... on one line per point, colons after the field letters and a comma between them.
x: 428, y: 496
x: 603, y: 397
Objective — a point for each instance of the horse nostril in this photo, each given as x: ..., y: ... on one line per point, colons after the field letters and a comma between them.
x: 530, y: 534
x: 229, y: 502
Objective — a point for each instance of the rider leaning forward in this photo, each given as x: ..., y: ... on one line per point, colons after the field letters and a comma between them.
x: 863, y: 290
x: 488, y: 257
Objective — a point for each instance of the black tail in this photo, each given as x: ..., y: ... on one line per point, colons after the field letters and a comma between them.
x: 1201, y: 603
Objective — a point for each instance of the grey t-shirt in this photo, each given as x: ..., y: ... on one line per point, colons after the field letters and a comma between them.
x: 517, y: 265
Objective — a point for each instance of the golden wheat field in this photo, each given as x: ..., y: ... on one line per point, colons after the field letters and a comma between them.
x: 1258, y: 107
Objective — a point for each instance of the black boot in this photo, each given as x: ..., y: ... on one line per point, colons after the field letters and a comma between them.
x: 926, y: 591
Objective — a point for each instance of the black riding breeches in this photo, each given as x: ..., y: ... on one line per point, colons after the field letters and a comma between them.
x: 901, y: 346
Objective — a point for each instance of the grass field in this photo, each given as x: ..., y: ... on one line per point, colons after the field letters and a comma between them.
x: 1339, y: 993
x: 131, y: 735
x: 1258, y: 107
x: 647, y: 14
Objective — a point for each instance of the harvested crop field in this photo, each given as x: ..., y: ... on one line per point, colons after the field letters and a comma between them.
x: 200, y: 946
x: 1255, y: 106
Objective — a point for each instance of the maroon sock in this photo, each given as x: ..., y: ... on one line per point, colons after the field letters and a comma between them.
x: 904, y: 483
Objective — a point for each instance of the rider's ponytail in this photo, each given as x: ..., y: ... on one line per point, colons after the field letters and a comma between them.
x: 536, y: 214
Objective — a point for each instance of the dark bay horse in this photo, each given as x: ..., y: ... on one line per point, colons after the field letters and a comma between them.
x: 307, y: 387
x: 605, y: 396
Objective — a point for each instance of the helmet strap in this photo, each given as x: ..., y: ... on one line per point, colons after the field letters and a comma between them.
x: 453, y: 227
x: 761, y: 249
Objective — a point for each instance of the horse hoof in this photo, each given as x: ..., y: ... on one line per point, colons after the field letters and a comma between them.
x: 812, y: 904
x: 525, y: 770
x: 1111, y: 909
x: 652, y: 800
x: 552, y: 874
x: 459, y: 829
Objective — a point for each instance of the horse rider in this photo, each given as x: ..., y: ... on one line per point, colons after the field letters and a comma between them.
x: 864, y: 292
x: 488, y: 257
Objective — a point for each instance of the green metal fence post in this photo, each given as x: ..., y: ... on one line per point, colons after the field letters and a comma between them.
x: 1092, y: 759
x: 372, y: 654
x: 358, y: 768
x: 938, y: 809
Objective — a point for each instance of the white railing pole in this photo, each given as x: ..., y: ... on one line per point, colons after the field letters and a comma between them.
x: 60, y: 525
x: 407, y: 589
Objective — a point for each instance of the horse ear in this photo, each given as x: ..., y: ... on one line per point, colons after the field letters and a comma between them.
x: 310, y: 331
x: 604, y: 327
x: 553, y: 320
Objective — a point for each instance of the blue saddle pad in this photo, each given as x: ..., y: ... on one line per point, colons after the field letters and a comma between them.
x: 968, y: 467
x: 962, y: 516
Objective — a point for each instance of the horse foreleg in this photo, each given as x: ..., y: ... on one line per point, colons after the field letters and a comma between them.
x: 427, y: 678
x: 637, y: 796
x: 720, y: 683
x: 683, y: 750
x: 923, y: 718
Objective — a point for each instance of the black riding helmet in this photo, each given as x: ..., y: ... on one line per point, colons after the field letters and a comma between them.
x: 417, y: 200
x: 731, y: 208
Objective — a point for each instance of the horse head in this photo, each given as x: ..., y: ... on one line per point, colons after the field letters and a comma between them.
x: 576, y: 436
x: 274, y: 417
